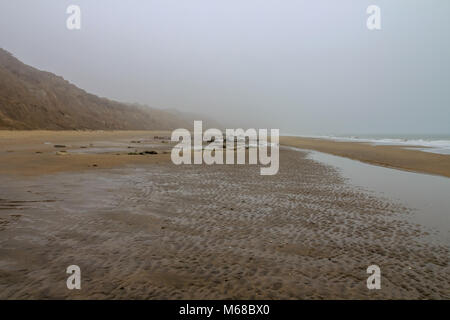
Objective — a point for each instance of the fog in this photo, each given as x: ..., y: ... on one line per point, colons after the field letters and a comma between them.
x: 306, y: 67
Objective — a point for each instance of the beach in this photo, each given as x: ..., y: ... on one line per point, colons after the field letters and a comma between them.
x: 140, y: 227
x: 34, y: 153
x: 393, y: 156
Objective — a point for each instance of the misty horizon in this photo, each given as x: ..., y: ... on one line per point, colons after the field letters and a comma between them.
x: 306, y: 68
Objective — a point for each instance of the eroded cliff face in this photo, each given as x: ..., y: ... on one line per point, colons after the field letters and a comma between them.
x: 34, y: 99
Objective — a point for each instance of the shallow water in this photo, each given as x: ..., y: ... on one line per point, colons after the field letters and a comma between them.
x: 98, y: 150
x: 427, y: 195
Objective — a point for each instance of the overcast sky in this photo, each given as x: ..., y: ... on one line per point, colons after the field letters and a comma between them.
x: 307, y: 67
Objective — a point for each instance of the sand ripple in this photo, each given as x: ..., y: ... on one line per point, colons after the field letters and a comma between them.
x: 206, y: 232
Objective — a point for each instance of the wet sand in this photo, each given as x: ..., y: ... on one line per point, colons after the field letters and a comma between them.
x: 396, y: 157
x: 33, y: 152
x: 142, y: 228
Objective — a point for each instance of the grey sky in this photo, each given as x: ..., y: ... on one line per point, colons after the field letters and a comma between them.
x: 307, y: 67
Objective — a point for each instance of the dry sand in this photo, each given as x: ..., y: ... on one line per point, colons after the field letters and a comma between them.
x: 148, y: 229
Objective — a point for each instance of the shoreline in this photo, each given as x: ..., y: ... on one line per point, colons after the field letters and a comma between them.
x: 30, y: 153
x: 394, y: 157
